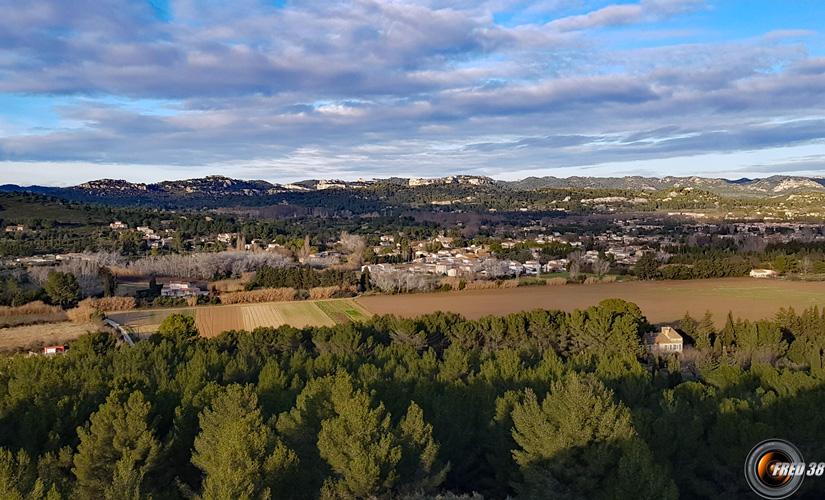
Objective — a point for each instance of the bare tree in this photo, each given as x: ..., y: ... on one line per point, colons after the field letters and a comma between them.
x: 494, y: 268
x: 85, y: 267
x: 573, y: 269
x: 752, y: 243
x: 806, y: 265
x: 354, y: 245
x: 206, y: 265
x: 601, y: 267
x: 305, y: 250
x: 574, y: 262
x: 397, y: 281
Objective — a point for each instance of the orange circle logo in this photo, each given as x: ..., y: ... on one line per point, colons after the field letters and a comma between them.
x: 774, y: 469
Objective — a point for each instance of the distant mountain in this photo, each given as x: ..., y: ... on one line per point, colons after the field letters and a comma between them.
x: 210, y: 186
x: 220, y: 190
x: 220, y: 186
x: 774, y: 185
x: 217, y: 190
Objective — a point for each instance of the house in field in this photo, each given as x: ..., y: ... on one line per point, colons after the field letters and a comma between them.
x: 51, y: 350
x: 763, y: 273
x: 181, y: 289
x: 665, y: 341
x: 15, y: 228
x: 118, y: 225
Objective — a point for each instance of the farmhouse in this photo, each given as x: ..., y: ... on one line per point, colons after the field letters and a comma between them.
x: 181, y: 289
x: 665, y: 341
x: 117, y: 225
x: 17, y: 228
x: 763, y: 273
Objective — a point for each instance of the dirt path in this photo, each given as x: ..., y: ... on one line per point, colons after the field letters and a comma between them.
x: 661, y: 301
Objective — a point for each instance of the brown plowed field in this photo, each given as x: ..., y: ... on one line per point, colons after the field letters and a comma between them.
x: 212, y: 321
x: 661, y: 301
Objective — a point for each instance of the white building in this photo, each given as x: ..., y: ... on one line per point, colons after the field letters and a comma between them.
x: 665, y: 341
x: 532, y: 268
x: 763, y: 273
x: 181, y: 289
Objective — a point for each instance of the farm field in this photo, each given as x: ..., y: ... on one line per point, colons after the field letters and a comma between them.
x: 213, y: 320
x: 36, y: 336
x: 660, y: 301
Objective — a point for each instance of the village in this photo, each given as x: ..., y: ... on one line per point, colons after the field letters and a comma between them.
x: 616, y: 249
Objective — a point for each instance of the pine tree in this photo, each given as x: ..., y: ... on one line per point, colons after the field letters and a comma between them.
x: 62, y: 288
x: 727, y: 335
x: 178, y: 327
x: 18, y: 477
x: 117, y: 449
x: 359, y: 446
x: 419, y: 468
x: 688, y: 326
x: 704, y: 331
x: 235, y: 450
x: 571, y: 443
x: 300, y: 427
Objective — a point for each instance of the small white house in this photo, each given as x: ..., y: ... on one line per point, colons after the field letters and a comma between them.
x: 117, y: 225
x: 763, y: 273
x: 181, y: 289
x: 665, y: 341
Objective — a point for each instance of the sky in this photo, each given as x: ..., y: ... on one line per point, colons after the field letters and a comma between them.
x: 148, y: 90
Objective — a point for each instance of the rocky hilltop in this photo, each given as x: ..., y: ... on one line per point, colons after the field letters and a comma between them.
x: 223, y: 191
x: 777, y: 184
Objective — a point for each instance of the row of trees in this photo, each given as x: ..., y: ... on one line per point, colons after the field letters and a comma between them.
x: 303, y: 278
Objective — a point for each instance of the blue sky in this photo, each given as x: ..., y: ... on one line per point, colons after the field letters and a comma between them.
x: 282, y: 91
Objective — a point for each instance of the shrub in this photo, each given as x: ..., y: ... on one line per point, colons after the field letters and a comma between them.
x: 253, y: 296
x: 89, y: 309
x: 480, y: 285
x: 83, y: 313
x: 490, y: 284
x: 532, y: 282
x: 114, y: 303
x: 323, y: 292
x: 558, y: 281
x: 450, y: 282
x: 31, y: 313
x: 36, y: 307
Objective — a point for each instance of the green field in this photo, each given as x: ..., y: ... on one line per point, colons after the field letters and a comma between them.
x: 342, y: 311
x: 213, y: 320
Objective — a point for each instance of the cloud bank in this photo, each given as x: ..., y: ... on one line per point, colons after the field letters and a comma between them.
x: 375, y: 87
